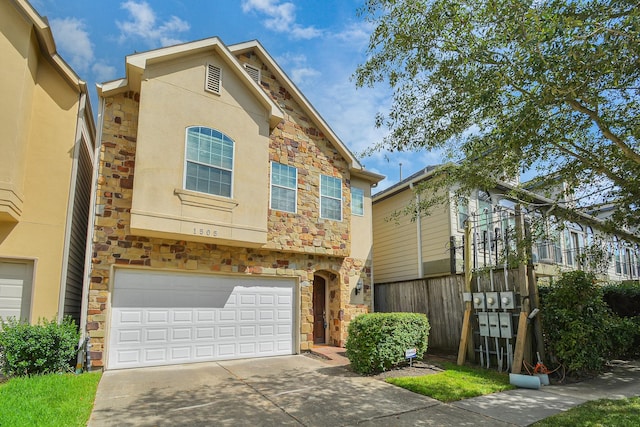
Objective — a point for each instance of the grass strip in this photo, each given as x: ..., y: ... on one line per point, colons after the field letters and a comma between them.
x: 455, y: 383
x: 604, y: 412
x: 48, y: 400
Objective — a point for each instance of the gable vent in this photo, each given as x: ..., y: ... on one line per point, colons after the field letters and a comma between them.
x: 254, y: 72
x: 213, y: 79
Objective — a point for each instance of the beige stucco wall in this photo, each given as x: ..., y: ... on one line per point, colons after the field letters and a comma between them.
x: 37, y: 147
x: 173, y: 98
x: 18, y: 50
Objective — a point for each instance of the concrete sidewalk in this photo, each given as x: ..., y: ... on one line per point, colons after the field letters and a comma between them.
x: 522, y: 407
x: 305, y: 391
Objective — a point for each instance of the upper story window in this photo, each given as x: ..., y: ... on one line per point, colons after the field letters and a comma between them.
x: 330, y: 197
x: 463, y: 212
x: 357, y: 201
x: 209, y: 161
x: 283, y: 187
x: 485, y: 211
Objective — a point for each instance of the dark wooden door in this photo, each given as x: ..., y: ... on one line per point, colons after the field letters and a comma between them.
x: 319, y: 311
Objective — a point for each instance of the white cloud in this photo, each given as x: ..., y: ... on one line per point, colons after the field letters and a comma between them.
x: 281, y: 18
x: 303, y: 74
x: 72, y: 40
x: 143, y: 24
x: 298, y: 69
x: 103, y: 72
x: 356, y: 34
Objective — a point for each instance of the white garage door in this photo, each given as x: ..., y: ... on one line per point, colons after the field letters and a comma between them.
x: 15, y: 289
x: 160, y: 318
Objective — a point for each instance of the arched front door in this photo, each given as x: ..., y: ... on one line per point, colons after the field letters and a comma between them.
x: 319, y: 310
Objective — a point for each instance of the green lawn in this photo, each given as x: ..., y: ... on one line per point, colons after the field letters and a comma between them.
x: 455, y: 383
x: 605, y: 412
x: 48, y: 400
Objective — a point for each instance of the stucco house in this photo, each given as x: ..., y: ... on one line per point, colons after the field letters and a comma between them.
x: 429, y: 246
x: 46, y: 165
x: 230, y: 220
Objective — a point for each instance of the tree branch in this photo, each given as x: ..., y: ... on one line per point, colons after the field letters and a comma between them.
x: 606, y: 132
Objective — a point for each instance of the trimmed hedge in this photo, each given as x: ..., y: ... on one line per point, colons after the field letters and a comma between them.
x: 46, y: 347
x: 378, y: 341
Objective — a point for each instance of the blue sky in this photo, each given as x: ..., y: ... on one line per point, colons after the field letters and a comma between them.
x: 318, y: 43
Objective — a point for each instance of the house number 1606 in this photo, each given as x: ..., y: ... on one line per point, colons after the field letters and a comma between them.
x: 204, y: 232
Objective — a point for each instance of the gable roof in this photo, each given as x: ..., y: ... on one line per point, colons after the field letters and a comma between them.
x: 354, y: 165
x: 135, y: 65
x: 48, y: 49
x: 47, y: 44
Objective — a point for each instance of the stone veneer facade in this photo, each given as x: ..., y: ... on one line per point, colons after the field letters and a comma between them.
x: 299, y: 245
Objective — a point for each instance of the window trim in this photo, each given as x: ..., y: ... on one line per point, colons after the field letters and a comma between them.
x: 330, y: 197
x: 295, y: 188
x: 186, y: 160
x: 361, y: 191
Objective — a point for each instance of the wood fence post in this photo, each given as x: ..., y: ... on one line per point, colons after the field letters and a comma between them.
x: 466, y: 339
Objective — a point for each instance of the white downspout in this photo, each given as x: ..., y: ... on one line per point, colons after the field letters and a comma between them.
x: 419, y: 234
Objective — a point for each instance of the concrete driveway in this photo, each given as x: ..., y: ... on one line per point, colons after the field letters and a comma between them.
x: 288, y: 390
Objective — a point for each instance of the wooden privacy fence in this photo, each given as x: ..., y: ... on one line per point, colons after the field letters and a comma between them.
x: 439, y: 298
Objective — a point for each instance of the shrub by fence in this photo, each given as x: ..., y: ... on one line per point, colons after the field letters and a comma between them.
x: 580, y: 329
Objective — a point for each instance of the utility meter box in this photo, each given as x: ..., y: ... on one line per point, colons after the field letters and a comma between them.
x: 492, y: 300
x: 507, y: 300
x: 506, y: 325
x: 483, y: 323
x: 494, y: 325
x: 478, y: 301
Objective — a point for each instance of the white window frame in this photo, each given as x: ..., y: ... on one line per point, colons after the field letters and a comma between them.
x: 294, y: 188
x: 360, y: 193
x: 322, y: 196
x: 186, y: 161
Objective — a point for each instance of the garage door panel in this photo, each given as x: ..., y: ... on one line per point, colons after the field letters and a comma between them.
x: 181, y: 354
x: 155, y: 355
x: 228, y: 316
x: 207, y: 316
x: 248, y: 331
x: 204, y: 333
x: 157, y: 316
x: 204, y: 352
x: 130, y: 336
x: 181, y: 334
x: 182, y: 316
x: 128, y: 317
x: 247, y: 315
x: 247, y: 300
x: 213, y: 318
x: 284, y: 315
x: 155, y: 336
